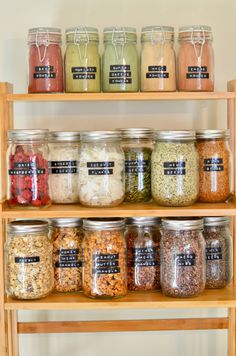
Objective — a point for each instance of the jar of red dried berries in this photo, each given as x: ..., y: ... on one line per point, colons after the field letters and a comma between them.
x: 27, y: 168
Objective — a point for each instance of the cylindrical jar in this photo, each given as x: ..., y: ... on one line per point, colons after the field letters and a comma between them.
x: 137, y: 144
x: 67, y: 237
x: 195, y: 59
x: 63, y: 166
x: 183, y: 272
x: 27, y: 168
x: 28, y: 260
x: 143, y: 253
x: 175, y: 168
x: 158, y: 59
x: 101, y: 169
x: 219, y: 252
x: 120, y: 64
x: 82, y: 60
x: 104, y: 253
x: 215, y: 165
x: 45, y: 60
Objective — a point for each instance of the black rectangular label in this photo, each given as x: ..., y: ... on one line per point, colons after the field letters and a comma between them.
x: 178, y: 164
x: 24, y: 164
x: 185, y: 259
x: 33, y: 259
x: 62, y: 163
x: 213, y: 161
x: 68, y: 258
x: 107, y: 164
x: 77, y: 264
x: 198, y: 69
x: 63, y: 170
x: 100, y: 172
x: 84, y: 69
x: 157, y: 68
x: 64, y: 252
x: 120, y: 74
x: 84, y: 76
x: 197, y: 75
x: 157, y: 75
x: 144, y: 257
x: 174, y: 172
x: 120, y: 67
x: 134, y: 167
x: 213, y: 253
x: 213, y: 168
x: 106, y: 263
x: 120, y: 81
x: 44, y: 75
x: 44, y: 69
x: 26, y: 172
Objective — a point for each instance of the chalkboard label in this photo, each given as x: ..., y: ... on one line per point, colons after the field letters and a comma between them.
x: 84, y: 69
x: 144, y: 257
x: 213, y: 253
x: 185, y: 259
x: 33, y: 259
x: 106, y: 263
x: 135, y: 167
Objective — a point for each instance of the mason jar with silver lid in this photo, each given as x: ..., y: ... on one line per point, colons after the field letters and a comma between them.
x: 183, y: 265
x: 175, y: 168
x: 101, y: 169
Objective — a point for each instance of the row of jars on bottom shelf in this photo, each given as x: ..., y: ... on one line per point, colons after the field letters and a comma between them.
x: 107, y: 257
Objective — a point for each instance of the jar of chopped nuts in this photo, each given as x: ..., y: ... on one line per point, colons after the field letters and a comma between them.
x: 28, y: 257
x: 104, y: 254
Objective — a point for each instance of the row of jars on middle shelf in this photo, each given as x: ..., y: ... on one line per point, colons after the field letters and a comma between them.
x: 106, y: 257
x: 97, y: 169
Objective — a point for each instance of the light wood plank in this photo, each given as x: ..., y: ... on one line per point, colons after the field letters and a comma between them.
x: 231, y: 332
x: 13, y: 342
x: 3, y: 314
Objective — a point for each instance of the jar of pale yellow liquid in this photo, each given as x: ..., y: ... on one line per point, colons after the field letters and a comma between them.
x: 158, y: 59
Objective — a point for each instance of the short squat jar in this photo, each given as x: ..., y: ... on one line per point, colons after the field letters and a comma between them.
x: 183, y: 272
x: 137, y: 144
x: 219, y: 252
x: 104, y: 253
x: 175, y: 168
x: 143, y: 253
x: 215, y: 165
x: 101, y: 169
x: 120, y: 64
x: 63, y: 166
x: 45, y: 60
x: 195, y: 59
x: 27, y: 169
x: 158, y: 59
x: 28, y: 260
x: 82, y: 60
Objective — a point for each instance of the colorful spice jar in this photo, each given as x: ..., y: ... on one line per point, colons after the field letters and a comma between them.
x: 45, y: 60
x: 27, y: 169
x: 215, y: 164
x: 82, y: 60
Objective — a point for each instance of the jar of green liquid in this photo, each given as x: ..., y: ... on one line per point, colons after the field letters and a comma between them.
x: 82, y: 60
x: 120, y: 64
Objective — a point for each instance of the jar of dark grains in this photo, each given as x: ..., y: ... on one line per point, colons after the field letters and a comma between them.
x: 143, y: 251
x: 183, y: 272
x: 219, y: 252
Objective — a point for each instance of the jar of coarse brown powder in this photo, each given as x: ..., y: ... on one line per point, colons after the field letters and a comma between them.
x: 215, y: 165
x: 195, y: 59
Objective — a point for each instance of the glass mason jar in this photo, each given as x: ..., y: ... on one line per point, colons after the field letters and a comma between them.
x: 143, y: 253
x: 63, y: 166
x: 195, y: 59
x: 219, y: 252
x: 104, y: 253
x: 137, y: 144
x: 183, y: 265
x: 158, y: 59
x: 120, y: 64
x: 216, y: 165
x: 101, y: 169
x: 175, y: 168
x: 27, y: 169
x: 45, y: 60
x: 28, y: 260
x: 82, y: 60
x: 67, y: 236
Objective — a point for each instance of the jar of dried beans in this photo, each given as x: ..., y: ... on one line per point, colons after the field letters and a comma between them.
x: 183, y: 265
x: 143, y: 251
x: 67, y: 236
x: 27, y: 168
x: 104, y: 253
x: 215, y: 163
x: 219, y: 252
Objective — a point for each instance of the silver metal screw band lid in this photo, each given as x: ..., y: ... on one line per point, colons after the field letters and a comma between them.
x: 60, y: 136
x: 182, y: 224
x: 216, y: 221
x: 211, y: 134
x: 104, y: 224
x: 137, y: 132
x: 23, y: 135
x: 99, y: 135
x: 27, y: 226
x: 143, y: 221
x: 183, y: 135
x: 66, y: 222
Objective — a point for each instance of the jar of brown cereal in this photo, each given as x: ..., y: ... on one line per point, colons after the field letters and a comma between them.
x: 104, y: 254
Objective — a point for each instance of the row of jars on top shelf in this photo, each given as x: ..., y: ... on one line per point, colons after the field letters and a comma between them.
x: 120, y: 70
x: 105, y: 257
x: 105, y: 168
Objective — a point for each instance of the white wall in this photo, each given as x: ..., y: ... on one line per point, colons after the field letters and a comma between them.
x: 16, y: 16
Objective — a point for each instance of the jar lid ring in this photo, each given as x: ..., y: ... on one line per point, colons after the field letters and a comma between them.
x: 200, y: 41
x: 163, y: 34
x: 119, y: 40
x: 81, y: 35
x: 44, y: 42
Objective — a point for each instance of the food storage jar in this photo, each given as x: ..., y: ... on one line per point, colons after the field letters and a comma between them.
x: 219, y: 251
x: 63, y: 166
x: 82, y: 60
x: 45, y: 60
x: 143, y: 253
x: 215, y: 165
x: 137, y: 144
x: 183, y: 265
x: 158, y: 59
x: 104, y: 254
x: 175, y: 168
x: 67, y: 236
x: 28, y: 260
x: 195, y: 59
x: 101, y: 169
x: 120, y: 64
x: 27, y: 168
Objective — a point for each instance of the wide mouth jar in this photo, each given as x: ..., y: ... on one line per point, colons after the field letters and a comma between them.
x: 157, y: 33
x: 81, y: 35
x: 44, y: 36
x: 120, y: 35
